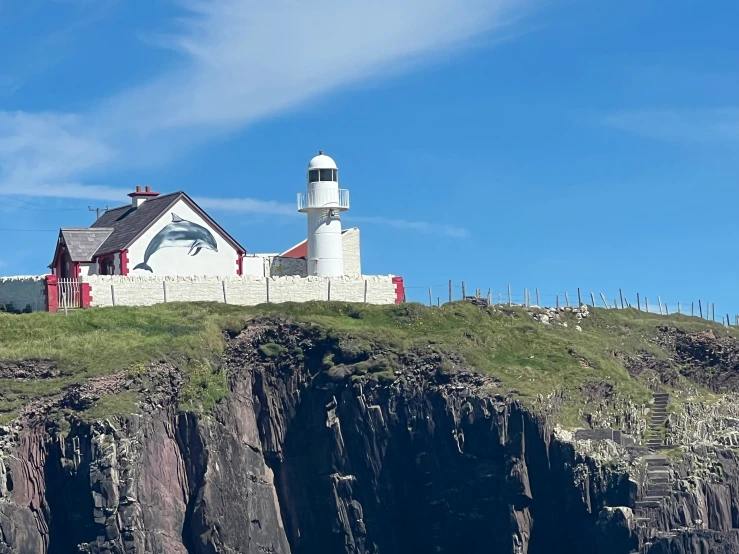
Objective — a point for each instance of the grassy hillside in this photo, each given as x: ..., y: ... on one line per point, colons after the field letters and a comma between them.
x: 527, y: 357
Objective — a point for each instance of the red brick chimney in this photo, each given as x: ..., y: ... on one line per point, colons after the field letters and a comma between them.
x: 140, y: 196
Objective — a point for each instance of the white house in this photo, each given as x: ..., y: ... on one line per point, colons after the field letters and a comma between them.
x: 153, y: 235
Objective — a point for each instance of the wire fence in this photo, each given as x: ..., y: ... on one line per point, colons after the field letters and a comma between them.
x: 436, y: 295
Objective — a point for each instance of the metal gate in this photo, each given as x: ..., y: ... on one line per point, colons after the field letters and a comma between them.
x: 69, y: 294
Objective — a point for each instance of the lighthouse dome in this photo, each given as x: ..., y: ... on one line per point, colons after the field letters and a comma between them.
x: 322, y: 161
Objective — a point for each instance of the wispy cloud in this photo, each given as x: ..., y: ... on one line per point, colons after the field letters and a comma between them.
x: 248, y: 206
x: 237, y: 61
x: 421, y: 226
x: 679, y: 125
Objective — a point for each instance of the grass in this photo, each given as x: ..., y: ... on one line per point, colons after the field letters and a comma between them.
x: 528, y: 358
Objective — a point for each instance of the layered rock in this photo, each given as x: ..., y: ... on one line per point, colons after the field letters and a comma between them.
x: 426, y: 457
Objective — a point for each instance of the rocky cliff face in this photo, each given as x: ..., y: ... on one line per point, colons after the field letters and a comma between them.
x: 306, y: 456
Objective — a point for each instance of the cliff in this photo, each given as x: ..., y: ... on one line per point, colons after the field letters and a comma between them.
x: 339, y: 443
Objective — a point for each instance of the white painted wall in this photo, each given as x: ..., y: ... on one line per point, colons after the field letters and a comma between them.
x: 175, y: 260
x: 352, y: 255
x: 89, y: 269
x: 243, y: 290
x: 24, y: 291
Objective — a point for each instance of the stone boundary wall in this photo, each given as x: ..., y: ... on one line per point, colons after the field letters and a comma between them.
x: 615, y: 435
x: 27, y: 293
x: 246, y: 290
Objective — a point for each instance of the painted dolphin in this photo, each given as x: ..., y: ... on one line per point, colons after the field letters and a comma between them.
x: 179, y: 233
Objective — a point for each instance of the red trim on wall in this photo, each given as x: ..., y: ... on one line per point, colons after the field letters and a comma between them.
x: 86, y: 293
x: 399, y: 290
x: 76, y: 268
x: 52, y: 293
x: 124, y: 262
x: 240, y: 264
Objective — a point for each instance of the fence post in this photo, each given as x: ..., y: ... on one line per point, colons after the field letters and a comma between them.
x: 450, y: 290
x: 638, y: 302
x: 579, y: 300
x: 431, y: 301
x: 567, y: 300
x: 164, y: 288
x: 112, y: 294
x: 537, y: 297
x: 464, y: 291
x: 700, y: 307
x: 728, y: 323
x: 667, y: 312
x: 365, y: 291
x: 557, y: 300
x: 525, y: 297
x: 328, y: 290
x: 438, y: 301
x: 592, y: 299
x: 615, y: 304
x: 605, y: 303
x: 713, y: 311
x: 678, y: 307
x: 621, y: 294
x: 267, y: 288
x: 490, y: 297
x: 225, y: 298
x: 646, y: 304
x: 659, y: 301
x: 509, y: 295
x: 692, y: 308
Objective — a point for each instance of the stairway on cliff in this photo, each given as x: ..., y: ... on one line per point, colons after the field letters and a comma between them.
x: 657, y: 484
x: 658, y: 415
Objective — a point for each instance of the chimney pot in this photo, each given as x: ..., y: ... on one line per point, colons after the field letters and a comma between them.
x: 138, y: 188
x: 148, y: 188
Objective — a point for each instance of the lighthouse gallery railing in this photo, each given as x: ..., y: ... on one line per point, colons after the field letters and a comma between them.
x: 331, y: 198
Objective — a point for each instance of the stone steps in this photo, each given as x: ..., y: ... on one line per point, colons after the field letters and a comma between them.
x: 657, y: 417
x: 657, y: 484
x: 648, y: 503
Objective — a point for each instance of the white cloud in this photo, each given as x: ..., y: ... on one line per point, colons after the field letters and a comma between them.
x: 421, y: 226
x: 248, y: 205
x: 238, y: 61
x: 680, y: 125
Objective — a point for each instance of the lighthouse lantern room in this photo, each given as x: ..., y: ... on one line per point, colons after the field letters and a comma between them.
x: 324, y: 201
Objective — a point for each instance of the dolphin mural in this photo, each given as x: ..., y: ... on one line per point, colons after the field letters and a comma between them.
x: 179, y: 233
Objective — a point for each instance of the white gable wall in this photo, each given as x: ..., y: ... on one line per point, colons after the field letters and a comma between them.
x: 174, y: 260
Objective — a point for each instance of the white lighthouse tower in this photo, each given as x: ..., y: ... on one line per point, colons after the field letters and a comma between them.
x: 323, y: 201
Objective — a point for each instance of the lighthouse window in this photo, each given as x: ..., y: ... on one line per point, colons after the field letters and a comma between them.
x: 328, y: 175
x: 313, y: 176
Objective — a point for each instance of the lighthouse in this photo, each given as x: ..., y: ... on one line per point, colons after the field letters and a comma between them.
x: 324, y: 201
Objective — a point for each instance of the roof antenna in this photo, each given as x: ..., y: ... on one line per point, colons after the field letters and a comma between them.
x: 320, y: 152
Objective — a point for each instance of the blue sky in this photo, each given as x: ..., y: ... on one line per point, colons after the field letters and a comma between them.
x: 548, y: 145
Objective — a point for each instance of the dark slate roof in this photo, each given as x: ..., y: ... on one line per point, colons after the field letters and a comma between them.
x: 83, y: 243
x: 129, y: 222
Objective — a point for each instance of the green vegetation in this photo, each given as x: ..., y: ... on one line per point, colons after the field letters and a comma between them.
x: 527, y: 357
x: 271, y: 350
